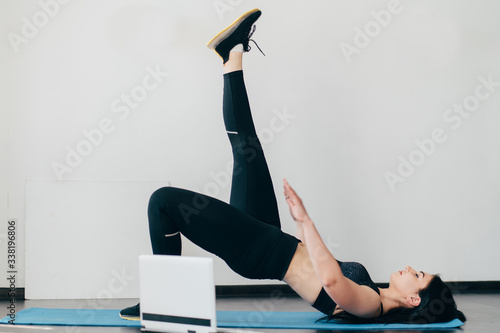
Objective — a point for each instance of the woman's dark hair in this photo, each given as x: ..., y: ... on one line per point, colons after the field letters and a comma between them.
x: 436, y: 305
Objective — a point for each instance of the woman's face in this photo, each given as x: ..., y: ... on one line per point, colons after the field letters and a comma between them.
x: 409, y: 282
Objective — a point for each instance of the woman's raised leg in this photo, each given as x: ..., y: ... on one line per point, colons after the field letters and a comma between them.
x: 252, y: 189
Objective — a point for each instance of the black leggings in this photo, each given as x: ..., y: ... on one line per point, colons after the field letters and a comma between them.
x: 246, y: 233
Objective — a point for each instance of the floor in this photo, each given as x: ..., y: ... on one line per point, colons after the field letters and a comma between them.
x: 482, y: 310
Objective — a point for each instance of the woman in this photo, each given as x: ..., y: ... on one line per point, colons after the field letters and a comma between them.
x: 246, y: 233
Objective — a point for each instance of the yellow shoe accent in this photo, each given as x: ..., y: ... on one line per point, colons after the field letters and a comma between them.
x: 130, y: 318
x: 215, y: 41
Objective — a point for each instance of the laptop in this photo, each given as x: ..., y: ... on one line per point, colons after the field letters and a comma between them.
x: 177, y: 294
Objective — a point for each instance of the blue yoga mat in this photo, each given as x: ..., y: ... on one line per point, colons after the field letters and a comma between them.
x: 225, y: 319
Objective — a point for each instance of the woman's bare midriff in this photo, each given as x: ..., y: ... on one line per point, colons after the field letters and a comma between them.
x: 301, y: 276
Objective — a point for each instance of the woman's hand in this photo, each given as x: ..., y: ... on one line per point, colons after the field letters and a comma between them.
x: 297, y: 209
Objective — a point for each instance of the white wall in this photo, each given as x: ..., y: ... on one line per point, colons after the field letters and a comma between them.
x: 4, y: 105
x: 93, y: 231
x: 353, y: 118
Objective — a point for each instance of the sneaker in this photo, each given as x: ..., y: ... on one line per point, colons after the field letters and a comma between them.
x: 131, y: 313
x: 239, y: 32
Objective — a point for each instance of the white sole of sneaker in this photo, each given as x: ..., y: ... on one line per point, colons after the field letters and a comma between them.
x: 212, y: 44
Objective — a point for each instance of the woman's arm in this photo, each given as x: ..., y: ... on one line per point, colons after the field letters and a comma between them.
x: 299, y: 232
x: 324, y: 263
x: 353, y: 298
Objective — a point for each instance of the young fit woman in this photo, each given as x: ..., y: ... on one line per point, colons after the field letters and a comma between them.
x: 247, y: 235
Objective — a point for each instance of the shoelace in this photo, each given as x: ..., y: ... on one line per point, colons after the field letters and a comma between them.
x: 249, y: 39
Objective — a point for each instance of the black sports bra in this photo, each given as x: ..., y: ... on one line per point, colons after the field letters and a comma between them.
x: 353, y: 271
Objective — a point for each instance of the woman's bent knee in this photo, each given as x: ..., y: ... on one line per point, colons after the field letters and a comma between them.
x: 181, y: 199
x: 165, y: 194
